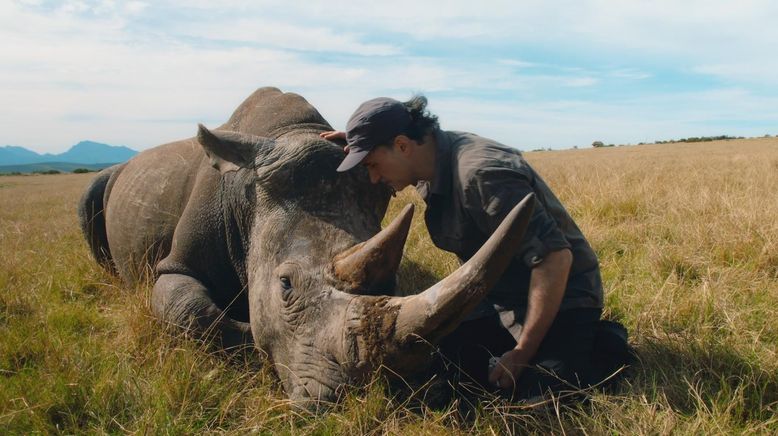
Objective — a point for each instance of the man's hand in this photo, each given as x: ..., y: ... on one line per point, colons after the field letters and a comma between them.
x: 546, y: 288
x: 507, y: 371
x: 333, y: 135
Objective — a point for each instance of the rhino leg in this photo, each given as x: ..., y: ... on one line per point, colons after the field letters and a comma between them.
x: 183, y: 301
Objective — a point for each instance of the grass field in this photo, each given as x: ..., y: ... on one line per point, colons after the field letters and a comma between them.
x: 687, y: 236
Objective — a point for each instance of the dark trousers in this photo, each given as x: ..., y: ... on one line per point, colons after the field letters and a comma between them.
x: 562, y: 363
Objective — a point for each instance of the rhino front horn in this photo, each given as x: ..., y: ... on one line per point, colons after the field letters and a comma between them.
x: 438, y: 310
x: 371, y: 266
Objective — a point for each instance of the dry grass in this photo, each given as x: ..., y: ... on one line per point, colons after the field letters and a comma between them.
x: 688, y: 242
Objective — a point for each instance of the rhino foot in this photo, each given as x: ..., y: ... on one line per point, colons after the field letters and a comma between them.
x: 184, y: 302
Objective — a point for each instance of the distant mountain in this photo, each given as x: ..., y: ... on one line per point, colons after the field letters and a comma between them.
x: 63, y: 167
x: 85, y: 152
x: 12, y: 155
x: 95, y: 152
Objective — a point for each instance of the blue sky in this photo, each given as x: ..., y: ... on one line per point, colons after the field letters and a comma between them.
x: 530, y: 74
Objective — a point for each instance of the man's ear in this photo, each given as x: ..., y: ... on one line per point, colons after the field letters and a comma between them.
x: 230, y: 151
x: 403, y: 144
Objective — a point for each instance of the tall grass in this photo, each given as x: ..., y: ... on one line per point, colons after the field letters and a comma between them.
x: 688, y: 243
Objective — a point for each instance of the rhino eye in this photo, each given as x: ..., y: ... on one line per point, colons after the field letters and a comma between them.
x: 286, y: 284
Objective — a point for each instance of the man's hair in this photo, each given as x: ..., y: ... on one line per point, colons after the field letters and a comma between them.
x: 422, y: 121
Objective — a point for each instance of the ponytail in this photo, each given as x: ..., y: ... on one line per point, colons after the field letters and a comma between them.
x: 422, y: 121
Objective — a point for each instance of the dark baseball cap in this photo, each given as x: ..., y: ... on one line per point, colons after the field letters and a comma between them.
x: 375, y: 122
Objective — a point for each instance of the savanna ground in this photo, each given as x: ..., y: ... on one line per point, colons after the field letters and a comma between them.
x: 688, y: 240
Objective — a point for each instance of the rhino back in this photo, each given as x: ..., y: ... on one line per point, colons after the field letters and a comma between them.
x: 146, y: 203
x: 270, y: 112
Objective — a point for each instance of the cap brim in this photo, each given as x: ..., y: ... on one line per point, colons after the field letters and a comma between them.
x: 352, y: 159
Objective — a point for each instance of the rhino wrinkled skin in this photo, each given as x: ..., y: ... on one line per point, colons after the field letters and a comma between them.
x: 253, y: 239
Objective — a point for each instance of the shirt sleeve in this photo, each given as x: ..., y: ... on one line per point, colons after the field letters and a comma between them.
x: 493, y: 192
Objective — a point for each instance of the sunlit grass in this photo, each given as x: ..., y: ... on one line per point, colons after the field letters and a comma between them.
x: 688, y: 241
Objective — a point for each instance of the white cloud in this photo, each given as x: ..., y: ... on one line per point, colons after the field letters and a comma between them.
x: 629, y: 73
x: 141, y: 73
x: 516, y: 63
x: 764, y: 72
x: 562, y: 124
x: 266, y: 32
x: 581, y: 82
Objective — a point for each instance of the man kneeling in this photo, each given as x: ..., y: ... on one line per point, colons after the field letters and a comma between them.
x: 540, y: 325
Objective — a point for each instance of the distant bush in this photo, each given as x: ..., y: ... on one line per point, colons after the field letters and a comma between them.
x: 47, y: 172
x: 700, y: 139
x: 81, y: 171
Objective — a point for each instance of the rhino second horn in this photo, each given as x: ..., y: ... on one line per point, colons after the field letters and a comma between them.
x: 438, y: 310
x: 371, y: 265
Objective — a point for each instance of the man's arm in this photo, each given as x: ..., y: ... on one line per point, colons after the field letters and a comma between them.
x: 546, y: 289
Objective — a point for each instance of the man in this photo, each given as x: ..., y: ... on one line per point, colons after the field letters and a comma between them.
x: 542, y: 317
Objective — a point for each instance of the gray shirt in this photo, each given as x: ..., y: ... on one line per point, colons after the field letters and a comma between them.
x: 477, y: 182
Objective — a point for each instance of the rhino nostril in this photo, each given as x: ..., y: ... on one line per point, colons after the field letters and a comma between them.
x: 313, y: 396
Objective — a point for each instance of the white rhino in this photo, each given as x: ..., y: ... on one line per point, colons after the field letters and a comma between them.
x: 254, y: 238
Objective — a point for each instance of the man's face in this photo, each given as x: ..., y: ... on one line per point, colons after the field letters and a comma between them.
x: 390, y: 165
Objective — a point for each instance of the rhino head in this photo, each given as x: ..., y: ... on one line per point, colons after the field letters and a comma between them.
x: 320, y: 273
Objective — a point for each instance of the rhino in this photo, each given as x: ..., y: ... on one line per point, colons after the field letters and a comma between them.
x: 252, y: 239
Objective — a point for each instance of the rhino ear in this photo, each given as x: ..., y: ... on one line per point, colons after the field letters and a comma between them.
x: 230, y: 151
